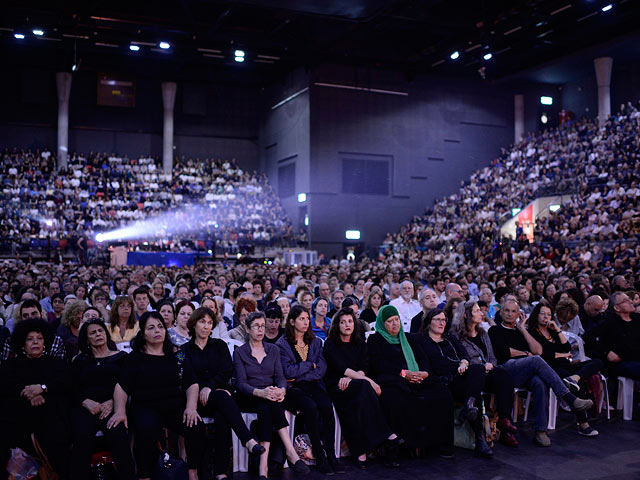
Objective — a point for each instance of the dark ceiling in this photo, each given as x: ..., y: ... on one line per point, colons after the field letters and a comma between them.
x: 409, y: 36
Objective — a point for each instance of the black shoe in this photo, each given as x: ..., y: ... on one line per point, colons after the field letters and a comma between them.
x: 336, y: 466
x: 257, y: 450
x: 391, y: 448
x: 322, y: 464
x: 469, y: 411
x: 301, y: 468
x: 446, y: 451
x: 361, y: 464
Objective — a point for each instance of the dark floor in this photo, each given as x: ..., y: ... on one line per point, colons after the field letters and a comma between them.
x: 615, y: 455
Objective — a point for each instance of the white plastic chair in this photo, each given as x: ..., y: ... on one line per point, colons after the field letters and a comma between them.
x: 240, y: 453
x: 625, y: 397
x: 553, y: 408
x: 232, y: 344
x: 337, y: 435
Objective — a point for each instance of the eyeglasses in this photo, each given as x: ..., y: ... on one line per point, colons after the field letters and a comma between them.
x: 257, y: 326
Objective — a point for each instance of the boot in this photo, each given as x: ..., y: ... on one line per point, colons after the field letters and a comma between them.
x: 335, y: 464
x: 482, y: 447
x: 322, y: 463
x: 469, y: 411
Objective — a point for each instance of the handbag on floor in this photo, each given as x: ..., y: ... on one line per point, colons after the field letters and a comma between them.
x: 169, y: 468
x: 46, y: 471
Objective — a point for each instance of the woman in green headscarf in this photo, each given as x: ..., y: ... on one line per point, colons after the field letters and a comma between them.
x: 417, y: 409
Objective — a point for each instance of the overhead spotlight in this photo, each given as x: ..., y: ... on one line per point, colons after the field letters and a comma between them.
x: 239, y: 59
x: 554, y: 208
x: 302, y: 197
x: 487, y: 56
x: 543, y: 118
x: 99, y: 237
x: 134, y: 48
x: 239, y: 53
x: 19, y: 36
x: 455, y: 55
x: 606, y: 8
x: 74, y: 67
x: 38, y: 32
x: 546, y: 100
x: 515, y: 211
x: 164, y: 45
x: 352, y: 234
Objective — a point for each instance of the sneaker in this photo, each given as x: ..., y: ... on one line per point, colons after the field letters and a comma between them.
x: 588, y: 431
x: 571, y: 384
x: 580, y: 404
x: 542, y: 439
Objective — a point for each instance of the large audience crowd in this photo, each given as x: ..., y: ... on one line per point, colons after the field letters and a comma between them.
x: 597, y: 166
x: 201, y: 204
x: 408, y: 342
x: 412, y: 348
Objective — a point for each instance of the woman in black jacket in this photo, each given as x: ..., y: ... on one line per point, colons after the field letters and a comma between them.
x: 95, y: 372
x: 210, y: 361
x: 450, y: 365
x: 34, y: 399
x: 158, y: 382
x: 355, y: 395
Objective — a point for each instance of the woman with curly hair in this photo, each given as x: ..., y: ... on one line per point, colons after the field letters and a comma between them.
x: 34, y: 389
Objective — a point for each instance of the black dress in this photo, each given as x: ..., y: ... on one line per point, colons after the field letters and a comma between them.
x: 421, y: 413
x: 363, y: 423
x: 157, y: 385
x: 212, y: 367
x: 95, y: 379
x: 49, y: 422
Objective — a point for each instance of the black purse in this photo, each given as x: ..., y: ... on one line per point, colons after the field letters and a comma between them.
x: 170, y: 468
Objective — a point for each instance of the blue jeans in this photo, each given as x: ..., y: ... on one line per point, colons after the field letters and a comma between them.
x: 536, y: 375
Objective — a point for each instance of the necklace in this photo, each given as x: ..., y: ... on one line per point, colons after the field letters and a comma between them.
x: 549, y: 338
x: 303, y: 351
x: 457, y: 359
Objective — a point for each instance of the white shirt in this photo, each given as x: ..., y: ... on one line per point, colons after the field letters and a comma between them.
x: 407, y: 311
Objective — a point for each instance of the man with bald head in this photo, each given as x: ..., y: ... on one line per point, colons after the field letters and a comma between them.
x: 324, y: 290
x: 452, y: 290
x: 428, y: 301
x: 592, y: 312
x: 407, y: 306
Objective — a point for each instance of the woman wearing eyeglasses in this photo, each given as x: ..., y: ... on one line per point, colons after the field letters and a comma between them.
x: 450, y: 365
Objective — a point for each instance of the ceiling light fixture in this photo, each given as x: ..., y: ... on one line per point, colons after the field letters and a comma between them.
x: 487, y: 56
x: 38, y: 32
x: 134, y: 48
x: 455, y: 55
x: 606, y: 8
x: 19, y: 36
x: 164, y: 45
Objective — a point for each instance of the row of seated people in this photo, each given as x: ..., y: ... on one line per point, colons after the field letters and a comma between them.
x: 407, y: 382
x: 597, y: 164
x: 99, y: 192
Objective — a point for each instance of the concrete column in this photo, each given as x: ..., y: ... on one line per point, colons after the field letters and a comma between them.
x: 603, y: 77
x: 63, y: 84
x: 168, y: 101
x: 518, y: 126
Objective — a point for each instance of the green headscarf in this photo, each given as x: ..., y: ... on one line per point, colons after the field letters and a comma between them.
x: 383, y: 315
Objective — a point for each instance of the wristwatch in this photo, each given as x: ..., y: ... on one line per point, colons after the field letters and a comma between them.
x: 44, y: 388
